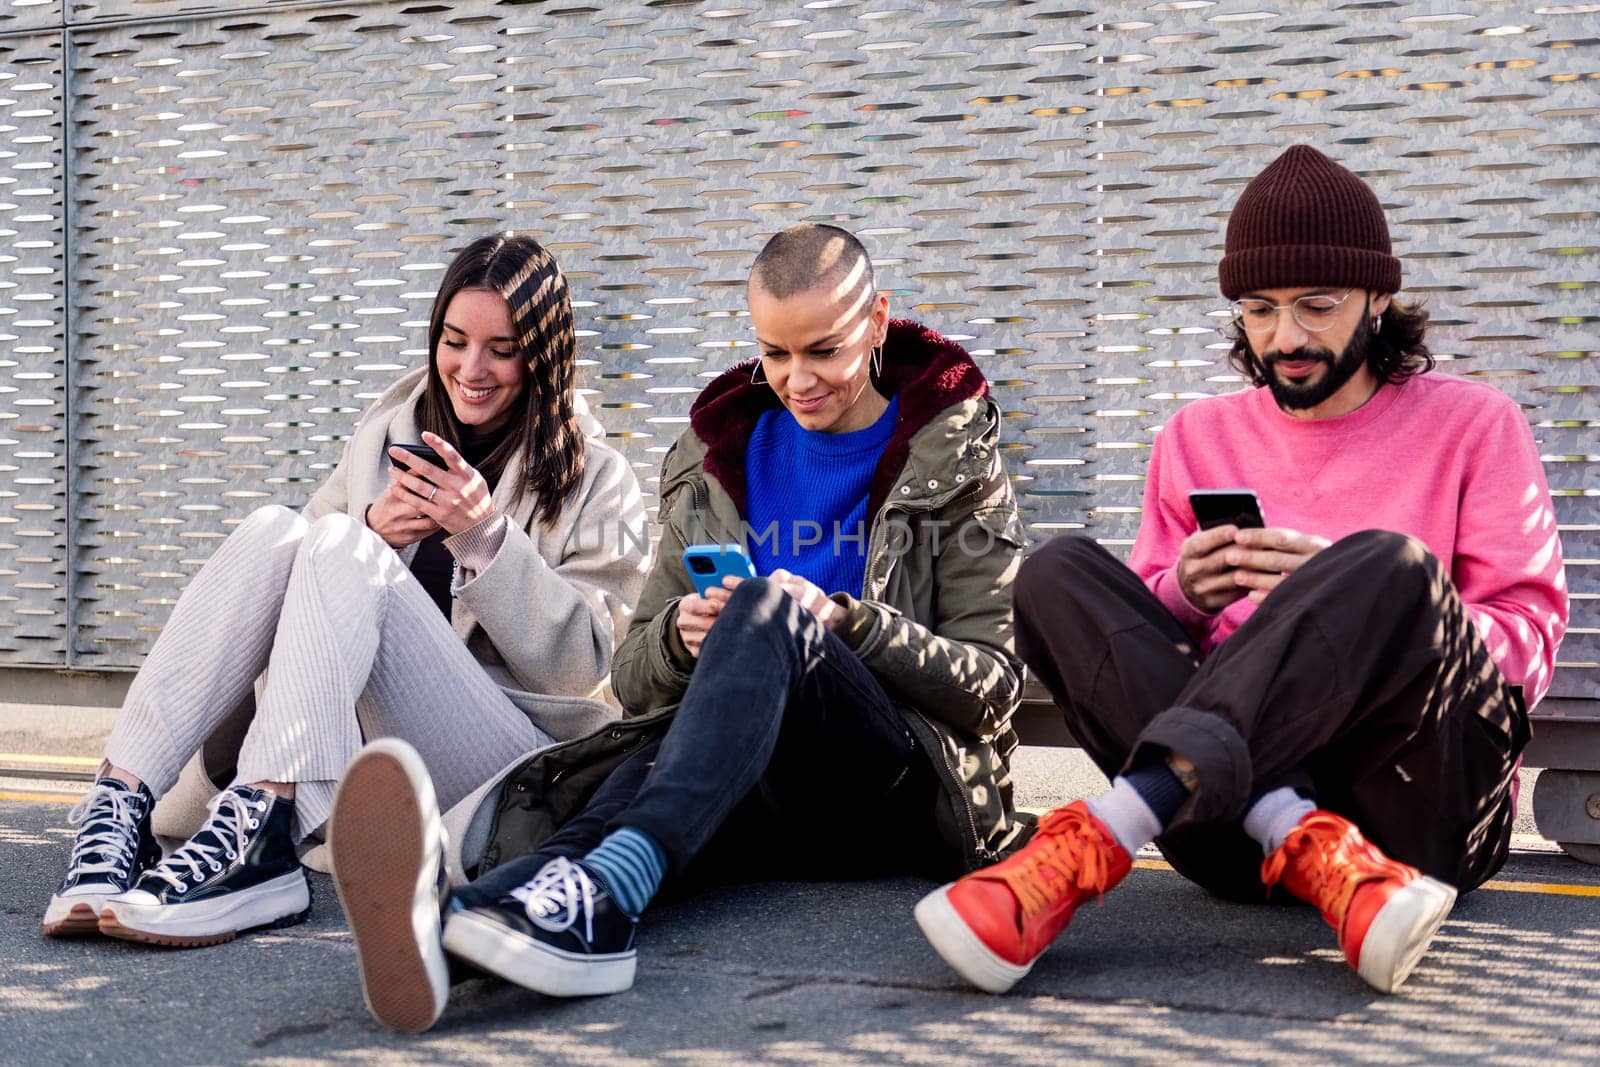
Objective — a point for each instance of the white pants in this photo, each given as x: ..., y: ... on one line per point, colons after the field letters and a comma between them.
x: 352, y: 647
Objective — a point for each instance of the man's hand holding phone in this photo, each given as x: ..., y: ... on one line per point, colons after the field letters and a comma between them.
x: 1261, y: 559
x: 1221, y: 564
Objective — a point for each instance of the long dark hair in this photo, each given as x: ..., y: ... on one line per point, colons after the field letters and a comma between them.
x: 1396, y: 352
x: 550, y: 441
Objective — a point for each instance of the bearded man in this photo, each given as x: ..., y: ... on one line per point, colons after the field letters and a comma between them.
x: 1343, y: 691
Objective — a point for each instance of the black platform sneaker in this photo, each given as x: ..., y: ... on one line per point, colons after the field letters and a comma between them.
x: 559, y: 933
x: 387, y: 847
x: 113, y: 847
x: 239, y: 872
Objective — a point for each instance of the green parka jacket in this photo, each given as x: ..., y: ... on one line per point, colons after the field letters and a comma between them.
x: 933, y: 622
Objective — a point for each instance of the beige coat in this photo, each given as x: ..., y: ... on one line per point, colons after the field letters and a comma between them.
x: 543, y: 613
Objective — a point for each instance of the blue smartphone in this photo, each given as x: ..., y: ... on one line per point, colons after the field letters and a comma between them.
x: 709, y: 564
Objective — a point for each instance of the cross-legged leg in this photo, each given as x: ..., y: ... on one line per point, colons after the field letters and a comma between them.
x: 1113, y: 659
x: 361, y: 651
x: 779, y: 715
x: 1360, y: 682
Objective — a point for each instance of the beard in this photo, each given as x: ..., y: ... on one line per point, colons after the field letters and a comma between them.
x: 1340, y: 369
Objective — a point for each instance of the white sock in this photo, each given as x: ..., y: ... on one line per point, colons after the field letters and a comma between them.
x: 1126, y: 815
x: 1271, y: 817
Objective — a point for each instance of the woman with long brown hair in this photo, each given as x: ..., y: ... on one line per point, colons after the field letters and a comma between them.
x: 466, y: 599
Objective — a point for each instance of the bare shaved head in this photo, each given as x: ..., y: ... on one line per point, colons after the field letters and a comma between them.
x: 813, y: 256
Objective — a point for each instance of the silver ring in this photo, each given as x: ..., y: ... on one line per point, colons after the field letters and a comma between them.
x: 433, y: 494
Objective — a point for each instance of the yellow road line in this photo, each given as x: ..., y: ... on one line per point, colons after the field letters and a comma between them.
x: 53, y: 761
x: 1562, y: 889
x: 1500, y: 885
x: 1554, y: 888
x: 40, y: 798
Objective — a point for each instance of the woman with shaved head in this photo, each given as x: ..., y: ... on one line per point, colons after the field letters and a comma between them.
x: 844, y: 714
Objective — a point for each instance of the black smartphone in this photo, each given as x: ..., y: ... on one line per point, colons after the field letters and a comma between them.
x: 423, y: 452
x: 1221, y: 507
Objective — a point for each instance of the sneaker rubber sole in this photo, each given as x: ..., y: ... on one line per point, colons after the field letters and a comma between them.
x: 74, y: 916
x: 385, y: 843
x: 962, y: 949
x: 282, y: 901
x: 1401, y: 931
x: 533, y: 965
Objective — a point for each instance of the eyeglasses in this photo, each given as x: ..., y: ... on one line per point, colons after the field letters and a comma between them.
x: 1314, y: 313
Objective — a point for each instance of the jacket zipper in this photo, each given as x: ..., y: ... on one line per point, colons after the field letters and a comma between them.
x: 869, y: 590
x: 961, y: 789
x: 914, y: 507
x: 702, y: 502
x: 702, y: 505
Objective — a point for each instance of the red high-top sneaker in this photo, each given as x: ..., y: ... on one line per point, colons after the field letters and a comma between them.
x: 991, y: 925
x: 1385, y: 912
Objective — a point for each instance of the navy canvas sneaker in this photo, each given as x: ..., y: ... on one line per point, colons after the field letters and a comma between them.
x: 237, y: 873
x: 113, y: 847
x: 387, y: 847
x: 559, y: 934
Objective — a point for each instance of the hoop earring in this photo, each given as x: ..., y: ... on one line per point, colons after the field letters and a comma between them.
x: 755, y: 370
x: 877, y: 362
x: 1377, y: 324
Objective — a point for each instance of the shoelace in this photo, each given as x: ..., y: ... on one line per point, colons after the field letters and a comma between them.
x: 1067, y: 852
x: 228, y: 826
x: 1327, y: 859
x: 561, y: 886
x: 115, y: 843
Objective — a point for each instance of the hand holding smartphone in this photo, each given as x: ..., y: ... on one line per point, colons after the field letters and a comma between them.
x: 425, y: 453
x: 1221, y: 507
x: 709, y: 564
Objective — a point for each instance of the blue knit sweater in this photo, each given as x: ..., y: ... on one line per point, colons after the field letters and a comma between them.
x: 807, y: 500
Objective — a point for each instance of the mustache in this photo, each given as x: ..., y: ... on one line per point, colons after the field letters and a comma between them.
x: 1319, y: 355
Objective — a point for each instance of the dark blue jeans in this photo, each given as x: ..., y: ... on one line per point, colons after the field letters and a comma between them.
x: 786, y: 758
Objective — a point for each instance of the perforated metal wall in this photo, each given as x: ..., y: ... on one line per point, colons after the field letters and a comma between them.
x: 29, y: 14
x: 33, y: 354
x: 266, y: 205
x: 263, y: 201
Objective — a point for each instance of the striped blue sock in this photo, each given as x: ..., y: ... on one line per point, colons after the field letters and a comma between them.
x: 631, y: 865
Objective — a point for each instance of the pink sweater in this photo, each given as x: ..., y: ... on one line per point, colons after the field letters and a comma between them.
x: 1449, y: 461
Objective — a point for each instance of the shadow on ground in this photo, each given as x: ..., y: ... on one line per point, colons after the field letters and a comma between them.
x: 833, y: 974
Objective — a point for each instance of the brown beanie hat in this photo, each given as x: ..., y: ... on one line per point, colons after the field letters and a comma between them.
x: 1305, y: 220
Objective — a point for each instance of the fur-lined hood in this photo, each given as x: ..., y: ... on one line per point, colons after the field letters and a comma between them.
x: 928, y: 372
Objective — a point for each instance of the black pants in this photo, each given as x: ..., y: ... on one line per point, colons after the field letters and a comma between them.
x: 1359, y: 680
x: 786, y: 758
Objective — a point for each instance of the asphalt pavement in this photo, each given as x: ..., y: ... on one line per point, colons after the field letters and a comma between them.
x: 824, y: 973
